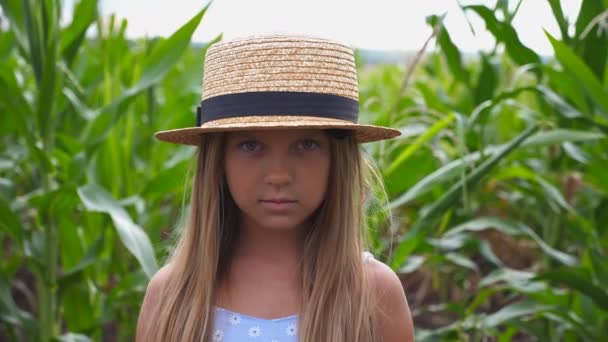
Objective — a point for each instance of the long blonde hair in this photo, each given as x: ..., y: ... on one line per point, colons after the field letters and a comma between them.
x: 338, y: 297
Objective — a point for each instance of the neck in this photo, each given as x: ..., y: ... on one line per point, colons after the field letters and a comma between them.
x: 279, y: 245
x: 261, y: 256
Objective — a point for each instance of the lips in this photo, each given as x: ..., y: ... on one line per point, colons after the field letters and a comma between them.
x: 278, y: 200
x: 279, y: 204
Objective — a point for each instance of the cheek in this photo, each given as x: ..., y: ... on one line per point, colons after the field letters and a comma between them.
x: 317, y: 177
x: 238, y: 179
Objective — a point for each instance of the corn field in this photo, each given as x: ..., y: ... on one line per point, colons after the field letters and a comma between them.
x: 497, y: 188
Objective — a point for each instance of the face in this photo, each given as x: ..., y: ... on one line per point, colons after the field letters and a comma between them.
x: 277, y: 178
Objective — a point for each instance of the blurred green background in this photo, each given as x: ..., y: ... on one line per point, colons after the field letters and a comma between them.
x: 498, y: 186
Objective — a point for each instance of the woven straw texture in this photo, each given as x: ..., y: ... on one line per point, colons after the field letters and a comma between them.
x: 280, y: 63
x: 290, y: 63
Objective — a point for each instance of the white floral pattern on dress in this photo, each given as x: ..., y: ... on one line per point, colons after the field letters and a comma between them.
x: 234, y: 319
x: 255, y: 331
x: 291, y: 330
x: 218, y: 335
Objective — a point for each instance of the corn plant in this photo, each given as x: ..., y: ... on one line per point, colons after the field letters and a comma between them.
x: 77, y: 118
x: 498, y: 185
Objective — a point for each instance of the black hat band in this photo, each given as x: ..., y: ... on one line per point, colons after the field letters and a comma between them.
x: 277, y: 103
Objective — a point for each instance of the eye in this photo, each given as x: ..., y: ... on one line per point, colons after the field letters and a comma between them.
x: 250, y: 146
x: 307, y: 145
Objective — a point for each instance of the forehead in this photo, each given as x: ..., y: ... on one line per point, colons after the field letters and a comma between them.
x: 286, y: 134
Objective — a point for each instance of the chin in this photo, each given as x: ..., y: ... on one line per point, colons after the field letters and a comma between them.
x: 280, y: 224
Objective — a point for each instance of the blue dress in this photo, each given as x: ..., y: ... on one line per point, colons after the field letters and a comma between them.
x: 230, y: 326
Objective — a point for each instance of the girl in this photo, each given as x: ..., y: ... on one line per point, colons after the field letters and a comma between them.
x: 272, y: 249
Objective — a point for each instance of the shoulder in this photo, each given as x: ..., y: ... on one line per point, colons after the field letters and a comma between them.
x: 158, y: 280
x: 393, y: 312
x: 155, y: 286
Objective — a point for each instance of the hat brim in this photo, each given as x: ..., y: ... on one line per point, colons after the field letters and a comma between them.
x: 191, y: 136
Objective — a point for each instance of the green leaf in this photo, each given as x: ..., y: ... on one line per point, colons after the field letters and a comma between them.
x: 412, y: 264
x: 33, y: 27
x: 507, y: 275
x: 513, y: 311
x: 581, y: 72
x: 486, y: 84
x: 10, y: 222
x: 95, y: 198
x: 454, y: 168
x: 85, y: 14
x: 558, y: 14
x: 47, y: 94
x: 79, y: 307
x: 167, y: 181
x: 600, y: 268
x: 558, y: 136
x: 433, y: 98
x: 513, y: 229
x: 70, y: 239
x: 7, y: 42
x: 421, y: 163
x: 563, y: 108
x: 418, y: 143
x: 597, y: 176
x: 449, y: 49
x: 461, y: 260
x: 576, y: 153
x: 17, y: 106
x: 164, y: 56
x: 166, y: 53
x: 593, y: 47
x: 9, y: 313
x: 505, y: 33
x: 445, y: 173
x: 486, y: 106
x: 578, y: 279
x: 74, y: 275
x: 414, y: 235
x: 13, y: 11
x: 547, y: 190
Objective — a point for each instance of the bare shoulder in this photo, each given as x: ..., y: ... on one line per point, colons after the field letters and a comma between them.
x: 156, y: 284
x: 393, y: 312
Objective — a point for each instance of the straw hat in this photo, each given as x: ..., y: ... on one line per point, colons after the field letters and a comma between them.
x: 278, y: 81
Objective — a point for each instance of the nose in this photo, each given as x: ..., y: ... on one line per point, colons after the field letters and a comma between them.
x: 278, y: 172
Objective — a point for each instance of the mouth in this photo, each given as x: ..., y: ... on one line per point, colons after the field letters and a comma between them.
x: 278, y: 204
x: 278, y: 200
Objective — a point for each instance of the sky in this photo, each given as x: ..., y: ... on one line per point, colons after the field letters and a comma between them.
x: 377, y: 24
